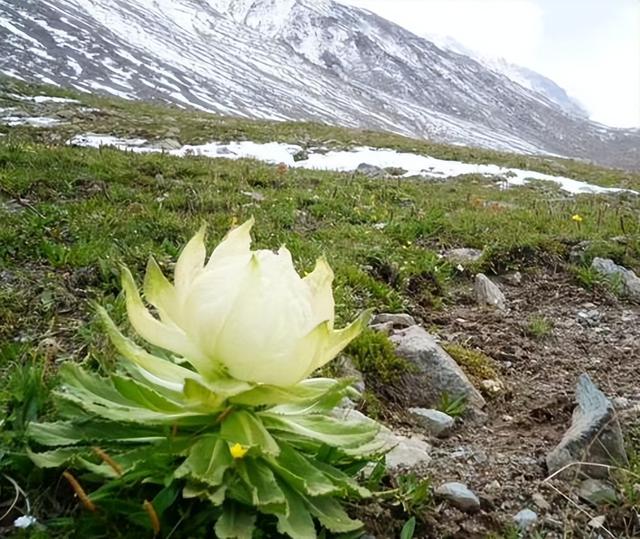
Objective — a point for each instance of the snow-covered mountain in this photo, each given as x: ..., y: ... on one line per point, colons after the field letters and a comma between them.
x: 522, y: 75
x: 292, y: 59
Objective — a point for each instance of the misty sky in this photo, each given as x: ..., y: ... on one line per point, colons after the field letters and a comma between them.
x: 590, y: 47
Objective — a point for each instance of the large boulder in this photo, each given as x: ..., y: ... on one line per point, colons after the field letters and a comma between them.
x: 436, y: 372
x: 629, y: 281
x: 594, y: 436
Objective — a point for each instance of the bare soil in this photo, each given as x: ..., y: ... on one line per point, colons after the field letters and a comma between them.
x: 503, y: 460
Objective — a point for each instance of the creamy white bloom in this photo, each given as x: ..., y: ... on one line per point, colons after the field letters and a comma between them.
x: 244, y: 313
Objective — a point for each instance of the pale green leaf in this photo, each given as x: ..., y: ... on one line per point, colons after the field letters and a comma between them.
x: 244, y: 428
x: 329, y: 430
x: 262, y: 484
x: 236, y: 522
x: 296, y: 522
x: 331, y: 514
x: 208, y: 460
x: 300, y: 473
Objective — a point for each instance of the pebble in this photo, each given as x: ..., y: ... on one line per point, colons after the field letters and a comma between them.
x: 459, y: 496
x: 437, y: 423
x: 525, y: 519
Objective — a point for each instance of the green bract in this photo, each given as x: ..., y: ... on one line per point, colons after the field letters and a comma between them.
x: 228, y: 417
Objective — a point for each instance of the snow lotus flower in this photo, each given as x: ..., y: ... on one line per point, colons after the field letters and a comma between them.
x: 242, y: 314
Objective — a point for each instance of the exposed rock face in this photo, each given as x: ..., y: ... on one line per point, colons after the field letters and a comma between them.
x: 629, y: 281
x: 489, y: 293
x: 594, y: 435
x: 437, y: 371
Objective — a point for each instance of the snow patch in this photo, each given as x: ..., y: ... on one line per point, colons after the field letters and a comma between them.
x: 349, y: 160
x: 34, y: 121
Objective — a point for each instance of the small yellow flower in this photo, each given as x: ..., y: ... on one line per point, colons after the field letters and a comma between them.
x: 237, y: 451
x: 577, y: 218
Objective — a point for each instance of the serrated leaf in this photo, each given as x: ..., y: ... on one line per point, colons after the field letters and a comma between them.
x: 244, y: 428
x: 262, y: 484
x: 208, y: 460
x: 146, y: 397
x: 53, y: 459
x: 297, y: 471
x: 307, y: 392
x: 340, y: 479
x: 331, y: 514
x: 329, y: 430
x: 64, y: 433
x: 296, y: 522
x: 236, y: 522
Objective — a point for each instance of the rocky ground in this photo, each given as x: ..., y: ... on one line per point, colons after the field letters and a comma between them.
x: 501, y: 456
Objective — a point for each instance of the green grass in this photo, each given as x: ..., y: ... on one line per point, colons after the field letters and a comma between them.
x: 70, y: 216
x: 539, y: 326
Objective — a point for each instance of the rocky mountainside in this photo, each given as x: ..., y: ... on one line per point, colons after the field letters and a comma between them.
x: 293, y: 59
x: 522, y: 75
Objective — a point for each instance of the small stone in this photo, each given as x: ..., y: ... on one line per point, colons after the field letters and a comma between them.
x: 437, y: 423
x: 492, y: 387
x: 370, y: 170
x: 463, y: 255
x: 540, y: 501
x: 256, y: 197
x: 301, y: 155
x: 407, y: 453
x: 25, y: 521
x: 513, y: 279
x: 488, y: 293
x: 400, y: 320
x: 525, y: 519
x: 597, y: 492
x: 167, y: 144
x: 628, y: 279
x: 459, y: 496
x: 597, y: 522
x: 346, y: 369
x: 589, y: 318
x: 594, y: 436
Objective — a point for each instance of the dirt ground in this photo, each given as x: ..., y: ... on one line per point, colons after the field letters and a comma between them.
x: 503, y: 460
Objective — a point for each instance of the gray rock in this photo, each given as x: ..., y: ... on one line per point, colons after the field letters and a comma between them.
x: 371, y: 170
x: 589, y: 318
x: 488, y: 293
x: 407, y: 452
x: 525, y: 519
x: 597, y: 492
x: 540, y: 501
x: 168, y: 144
x: 594, y: 435
x: 403, y: 452
x: 437, y: 372
x: 463, y: 255
x: 254, y: 195
x: 628, y: 279
x: 513, y: 278
x: 459, y: 496
x: 400, y: 320
x: 437, y: 423
x: 301, y: 155
x: 347, y: 369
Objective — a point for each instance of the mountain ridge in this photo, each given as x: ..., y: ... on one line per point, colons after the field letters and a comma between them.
x: 292, y: 59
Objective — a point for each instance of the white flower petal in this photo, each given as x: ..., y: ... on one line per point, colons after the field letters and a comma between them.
x: 191, y: 260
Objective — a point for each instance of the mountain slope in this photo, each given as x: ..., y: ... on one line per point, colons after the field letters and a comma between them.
x: 292, y: 59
